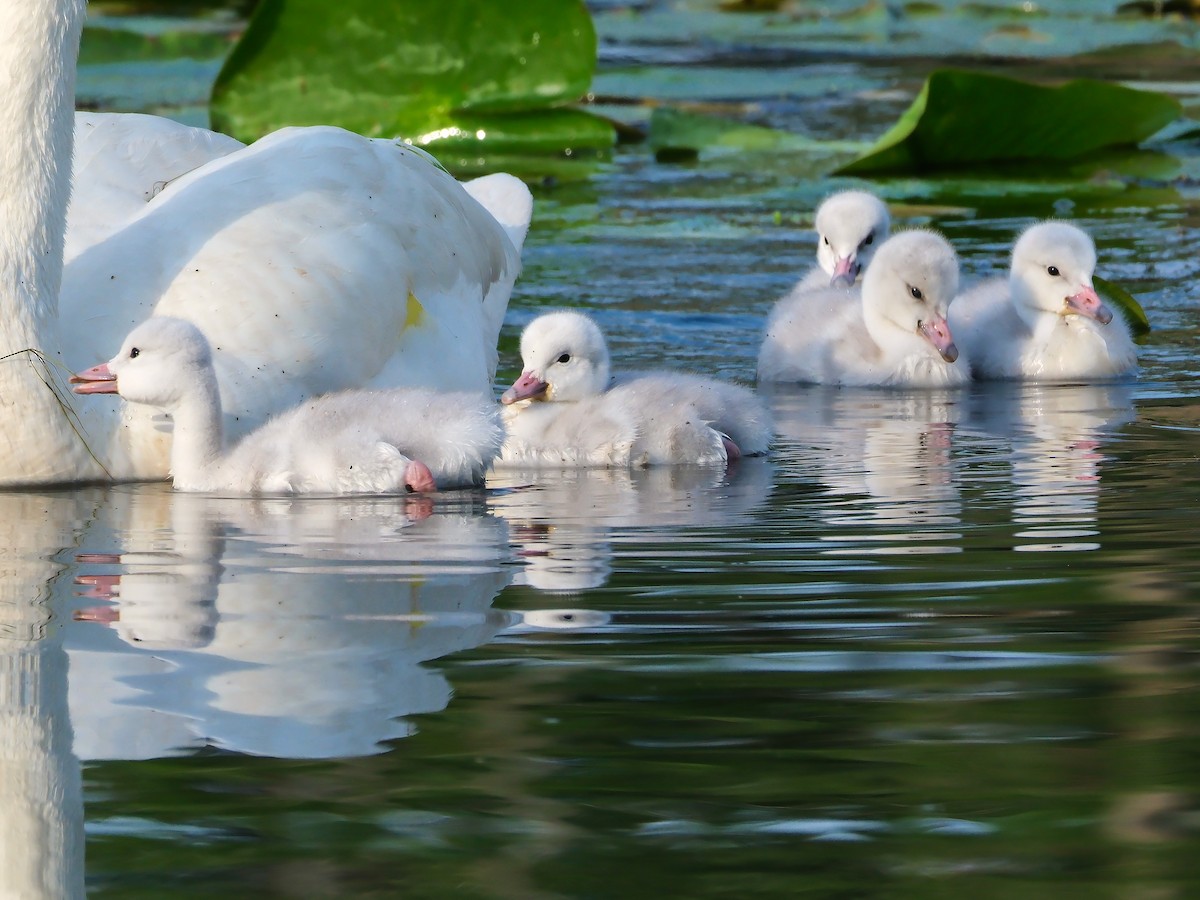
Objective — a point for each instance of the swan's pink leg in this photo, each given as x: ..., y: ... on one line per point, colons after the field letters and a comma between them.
x: 418, y: 478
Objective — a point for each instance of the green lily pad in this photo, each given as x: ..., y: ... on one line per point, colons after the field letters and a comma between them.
x: 452, y: 74
x: 962, y: 119
x: 1124, y: 303
x: 676, y: 133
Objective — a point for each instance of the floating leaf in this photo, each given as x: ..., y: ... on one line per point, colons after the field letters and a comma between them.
x: 677, y: 133
x: 963, y: 119
x: 452, y: 73
x: 1125, y: 304
x: 1185, y: 129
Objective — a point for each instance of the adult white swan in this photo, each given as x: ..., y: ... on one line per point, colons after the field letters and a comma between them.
x: 314, y: 260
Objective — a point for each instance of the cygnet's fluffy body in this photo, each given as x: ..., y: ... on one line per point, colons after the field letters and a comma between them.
x: 564, y: 410
x: 1046, y: 321
x: 849, y: 226
x: 352, y: 442
x: 896, y: 335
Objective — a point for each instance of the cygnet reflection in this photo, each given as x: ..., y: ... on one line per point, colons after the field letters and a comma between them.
x: 565, y: 522
x: 1056, y: 434
x: 883, y: 458
x: 292, y: 627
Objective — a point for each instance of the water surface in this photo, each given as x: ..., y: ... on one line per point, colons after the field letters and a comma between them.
x: 937, y: 643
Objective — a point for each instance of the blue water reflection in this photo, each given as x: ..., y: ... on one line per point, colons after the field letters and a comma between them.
x: 1056, y: 436
x: 291, y: 628
x: 568, y: 524
x: 883, y: 461
x: 892, y: 464
x: 864, y: 571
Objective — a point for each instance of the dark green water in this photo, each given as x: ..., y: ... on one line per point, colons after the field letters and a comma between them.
x: 936, y: 645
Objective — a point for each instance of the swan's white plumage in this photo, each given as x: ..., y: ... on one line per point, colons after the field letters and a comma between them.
x: 888, y: 338
x: 352, y: 442
x: 314, y: 447
x: 850, y: 225
x: 122, y: 161
x: 1039, y: 326
x: 563, y: 411
x: 314, y: 260
x: 370, y: 265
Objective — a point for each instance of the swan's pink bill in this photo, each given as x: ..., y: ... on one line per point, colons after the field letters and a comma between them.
x: 845, y: 270
x: 526, y: 387
x: 1088, y: 303
x: 937, y: 332
x: 96, y: 380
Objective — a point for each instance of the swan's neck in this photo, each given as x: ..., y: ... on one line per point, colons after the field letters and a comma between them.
x: 890, y: 339
x: 1037, y: 320
x: 39, y: 42
x: 196, y: 447
x: 37, y: 110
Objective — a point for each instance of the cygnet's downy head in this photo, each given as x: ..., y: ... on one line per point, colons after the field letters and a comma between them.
x: 850, y: 225
x: 159, y: 363
x: 910, y: 284
x: 565, y: 358
x: 1052, y: 265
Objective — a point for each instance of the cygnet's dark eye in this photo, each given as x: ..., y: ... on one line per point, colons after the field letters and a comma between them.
x: 133, y: 354
x: 825, y: 239
x: 1053, y: 271
x: 870, y: 240
x: 916, y: 292
x: 565, y: 358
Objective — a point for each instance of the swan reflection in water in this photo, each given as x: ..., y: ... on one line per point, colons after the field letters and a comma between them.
x: 41, y: 793
x: 883, y: 460
x: 288, y: 628
x: 298, y: 627
x: 900, y: 460
x: 1056, y: 435
x: 277, y: 627
x: 565, y: 522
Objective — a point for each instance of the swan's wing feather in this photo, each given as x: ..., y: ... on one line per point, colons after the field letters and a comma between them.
x: 731, y: 409
x: 122, y: 161
x: 803, y: 330
x: 988, y: 329
x: 314, y: 260
x: 596, y: 433
x: 456, y: 434
x: 670, y: 427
